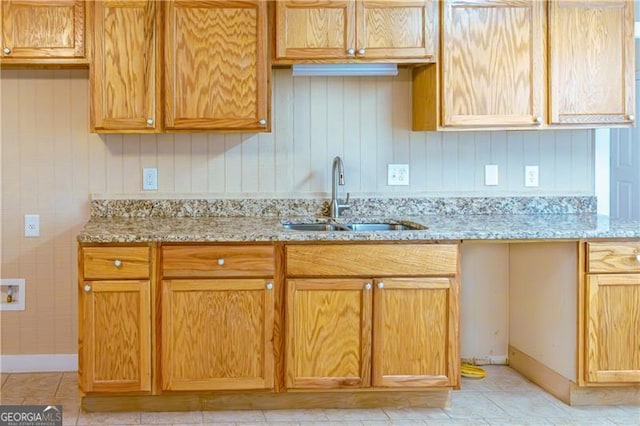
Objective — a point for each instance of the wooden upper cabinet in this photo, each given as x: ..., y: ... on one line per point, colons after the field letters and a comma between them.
x: 339, y: 30
x: 216, y: 65
x: 591, y: 62
x: 396, y: 29
x: 493, y: 69
x: 315, y: 30
x: 42, y: 30
x: 125, y: 75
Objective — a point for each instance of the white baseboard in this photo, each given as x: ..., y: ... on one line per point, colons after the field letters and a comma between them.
x: 38, y: 363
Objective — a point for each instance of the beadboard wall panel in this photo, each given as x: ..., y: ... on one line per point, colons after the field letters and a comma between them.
x: 51, y: 165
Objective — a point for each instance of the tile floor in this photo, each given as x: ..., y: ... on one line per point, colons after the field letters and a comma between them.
x: 502, y: 398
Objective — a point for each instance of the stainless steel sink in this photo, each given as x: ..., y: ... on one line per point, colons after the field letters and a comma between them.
x: 313, y: 227
x: 380, y: 227
x: 362, y: 227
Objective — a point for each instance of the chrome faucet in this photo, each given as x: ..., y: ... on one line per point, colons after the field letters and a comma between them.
x: 337, y: 178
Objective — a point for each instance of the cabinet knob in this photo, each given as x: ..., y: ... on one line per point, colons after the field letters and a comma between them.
x: 380, y: 285
x: 351, y: 51
x: 631, y: 117
x: 117, y: 263
x: 150, y: 121
x: 87, y: 288
x: 638, y: 257
x: 221, y: 261
x: 6, y: 50
x: 262, y: 122
x: 361, y: 51
x: 367, y: 286
x: 269, y: 286
x: 538, y: 120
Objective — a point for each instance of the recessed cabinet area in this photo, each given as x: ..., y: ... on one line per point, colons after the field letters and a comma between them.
x: 205, y: 66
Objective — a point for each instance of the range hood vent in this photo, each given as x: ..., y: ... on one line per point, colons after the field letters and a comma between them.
x: 344, y: 70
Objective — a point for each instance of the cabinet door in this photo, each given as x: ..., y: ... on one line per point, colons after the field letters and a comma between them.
x: 217, y: 334
x: 613, y: 328
x: 42, y: 29
x: 115, y: 339
x: 415, y: 332
x: 396, y: 29
x: 216, y: 65
x: 493, y: 63
x: 328, y: 333
x: 315, y: 30
x: 591, y: 62
x: 125, y: 86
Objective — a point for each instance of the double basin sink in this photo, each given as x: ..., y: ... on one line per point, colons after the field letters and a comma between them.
x: 378, y: 226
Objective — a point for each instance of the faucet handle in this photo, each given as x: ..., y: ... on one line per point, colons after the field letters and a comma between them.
x: 347, y: 200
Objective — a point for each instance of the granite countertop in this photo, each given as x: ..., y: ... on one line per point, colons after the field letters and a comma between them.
x: 565, y: 218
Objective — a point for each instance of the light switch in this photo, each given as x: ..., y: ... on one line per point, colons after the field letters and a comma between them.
x: 491, y: 175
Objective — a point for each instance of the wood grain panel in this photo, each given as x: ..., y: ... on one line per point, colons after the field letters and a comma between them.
x: 328, y: 333
x: 216, y: 65
x: 204, y: 261
x: 124, y: 78
x: 591, y: 76
x: 371, y: 260
x: 411, y: 332
x: 100, y: 262
x: 493, y: 63
x: 312, y: 29
x: 613, y: 257
x: 217, y: 334
x: 117, y: 336
x: 396, y: 29
x: 43, y: 29
x: 613, y: 328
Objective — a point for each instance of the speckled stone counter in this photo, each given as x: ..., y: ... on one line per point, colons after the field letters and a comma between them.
x: 509, y: 218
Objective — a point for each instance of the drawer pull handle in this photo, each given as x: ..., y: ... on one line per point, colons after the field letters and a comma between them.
x: 380, y: 285
x: 117, y: 263
x: 87, y: 288
x: 367, y: 286
x: 221, y: 261
x: 269, y: 286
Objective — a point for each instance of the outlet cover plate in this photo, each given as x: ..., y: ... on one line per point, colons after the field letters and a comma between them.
x: 531, y: 177
x: 397, y: 174
x: 149, y: 179
x: 31, y: 225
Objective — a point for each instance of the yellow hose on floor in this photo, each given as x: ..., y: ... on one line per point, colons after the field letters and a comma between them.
x: 472, y: 371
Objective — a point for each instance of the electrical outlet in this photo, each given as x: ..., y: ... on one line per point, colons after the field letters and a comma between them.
x: 491, y: 175
x: 397, y: 174
x: 150, y: 179
x: 531, y: 176
x: 31, y: 225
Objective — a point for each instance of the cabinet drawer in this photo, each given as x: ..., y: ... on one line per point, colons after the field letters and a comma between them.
x: 115, y: 262
x: 613, y: 257
x: 217, y: 261
x: 372, y: 260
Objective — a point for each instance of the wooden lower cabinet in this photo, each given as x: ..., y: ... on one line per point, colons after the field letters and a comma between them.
x: 613, y: 328
x: 415, y: 332
x: 328, y: 333
x: 217, y: 334
x: 358, y: 333
x: 115, y: 336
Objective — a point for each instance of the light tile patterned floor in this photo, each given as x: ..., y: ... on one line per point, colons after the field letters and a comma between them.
x: 502, y: 398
